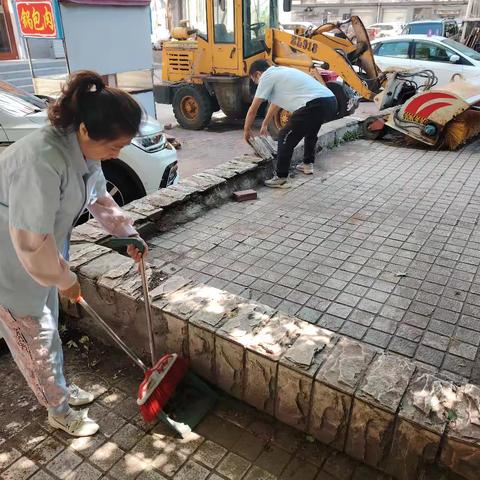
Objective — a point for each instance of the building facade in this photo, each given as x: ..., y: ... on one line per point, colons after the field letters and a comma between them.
x: 374, y: 11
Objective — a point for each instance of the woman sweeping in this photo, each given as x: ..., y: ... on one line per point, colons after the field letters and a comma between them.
x: 46, y: 181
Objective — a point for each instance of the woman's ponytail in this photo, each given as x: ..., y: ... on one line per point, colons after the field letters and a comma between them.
x: 107, y: 112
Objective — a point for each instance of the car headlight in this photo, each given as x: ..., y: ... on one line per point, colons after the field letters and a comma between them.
x: 151, y: 143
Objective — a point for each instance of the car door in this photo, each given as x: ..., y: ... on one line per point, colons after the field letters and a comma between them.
x: 394, y: 53
x: 429, y: 55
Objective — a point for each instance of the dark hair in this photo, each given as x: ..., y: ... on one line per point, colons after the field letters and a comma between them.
x: 108, y: 113
x: 258, y: 66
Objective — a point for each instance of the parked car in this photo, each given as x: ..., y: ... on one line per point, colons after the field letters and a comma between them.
x: 380, y: 30
x: 144, y: 166
x: 292, y: 26
x: 443, y: 56
x: 441, y: 28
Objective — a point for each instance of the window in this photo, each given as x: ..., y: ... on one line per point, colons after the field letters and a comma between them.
x: 451, y: 29
x: 257, y: 16
x: 427, y: 28
x: 393, y: 49
x: 224, y: 31
x: 469, y: 52
x: 432, y: 52
x: 196, y: 11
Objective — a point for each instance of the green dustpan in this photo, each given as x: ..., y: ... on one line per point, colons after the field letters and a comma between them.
x: 190, y: 404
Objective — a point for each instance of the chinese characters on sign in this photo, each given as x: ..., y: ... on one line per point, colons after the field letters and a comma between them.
x: 37, y: 18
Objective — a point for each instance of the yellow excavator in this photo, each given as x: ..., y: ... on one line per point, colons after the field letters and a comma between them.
x: 205, y: 69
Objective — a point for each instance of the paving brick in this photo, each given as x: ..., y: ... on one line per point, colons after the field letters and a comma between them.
x: 273, y: 460
x: 210, y: 454
x: 458, y: 365
x: 46, y: 450
x: 461, y: 349
x: 64, y: 464
x: 192, y: 471
x: 435, y: 340
x: 249, y: 446
x: 8, y: 456
x: 84, y: 471
x: 128, y: 468
x: 402, y: 346
x: 233, y: 467
x: 468, y: 336
x: 20, y: 470
x: 127, y: 436
x: 369, y: 306
x: 107, y: 455
x: 41, y: 475
x: 444, y: 328
x: 353, y: 330
x: 429, y: 355
x: 152, y: 475
x: 376, y: 338
x: 385, y: 325
x: 255, y: 473
x: 299, y: 469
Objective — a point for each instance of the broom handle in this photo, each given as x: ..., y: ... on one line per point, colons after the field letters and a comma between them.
x: 114, y: 336
x: 148, y: 311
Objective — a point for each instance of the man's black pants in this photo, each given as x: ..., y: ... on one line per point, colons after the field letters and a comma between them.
x: 304, y: 123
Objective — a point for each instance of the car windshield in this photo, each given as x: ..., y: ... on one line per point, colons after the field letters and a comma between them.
x: 15, y: 106
x: 467, y: 51
x: 428, y: 28
x: 9, y: 88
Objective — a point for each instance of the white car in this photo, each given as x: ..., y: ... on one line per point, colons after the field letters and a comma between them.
x: 149, y: 163
x: 444, y: 56
x: 381, y: 30
x: 292, y: 26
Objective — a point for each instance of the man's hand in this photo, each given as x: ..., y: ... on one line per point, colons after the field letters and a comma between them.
x: 247, y: 133
x: 72, y: 293
x: 135, y: 253
x: 264, y: 130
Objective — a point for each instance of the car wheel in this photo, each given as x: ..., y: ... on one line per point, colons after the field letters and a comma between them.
x: 120, y: 185
x: 192, y: 107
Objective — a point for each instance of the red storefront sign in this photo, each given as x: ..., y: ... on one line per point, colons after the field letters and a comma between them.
x: 37, y: 18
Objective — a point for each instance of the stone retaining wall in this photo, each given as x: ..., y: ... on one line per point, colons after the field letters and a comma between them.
x: 379, y: 408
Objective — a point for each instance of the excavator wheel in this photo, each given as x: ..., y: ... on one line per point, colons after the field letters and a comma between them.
x: 279, y: 120
x: 341, y: 95
x: 192, y: 106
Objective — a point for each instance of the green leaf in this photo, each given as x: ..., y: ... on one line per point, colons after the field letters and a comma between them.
x: 451, y: 415
x: 84, y: 340
x: 72, y: 344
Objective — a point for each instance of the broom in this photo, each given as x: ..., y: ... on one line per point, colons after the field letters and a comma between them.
x: 161, y: 380
x: 461, y: 129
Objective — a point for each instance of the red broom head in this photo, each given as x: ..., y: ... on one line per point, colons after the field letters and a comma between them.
x: 165, y: 389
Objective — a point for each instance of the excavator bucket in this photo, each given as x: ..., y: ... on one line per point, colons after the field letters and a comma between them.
x: 444, y: 116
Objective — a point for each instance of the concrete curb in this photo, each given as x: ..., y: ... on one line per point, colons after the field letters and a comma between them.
x: 379, y: 408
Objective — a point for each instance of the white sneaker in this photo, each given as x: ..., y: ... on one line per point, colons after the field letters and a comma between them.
x: 276, y: 182
x: 75, y: 423
x: 79, y: 397
x: 306, y: 168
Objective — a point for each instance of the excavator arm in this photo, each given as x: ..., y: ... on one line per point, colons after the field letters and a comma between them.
x: 338, y: 52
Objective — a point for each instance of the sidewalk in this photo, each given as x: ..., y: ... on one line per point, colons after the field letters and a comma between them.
x: 380, y: 245
x: 235, y: 442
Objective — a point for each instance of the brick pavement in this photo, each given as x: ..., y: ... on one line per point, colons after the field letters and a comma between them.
x: 235, y: 442
x: 382, y: 247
